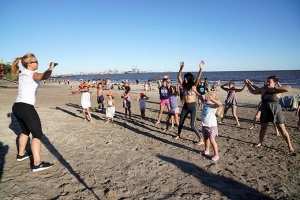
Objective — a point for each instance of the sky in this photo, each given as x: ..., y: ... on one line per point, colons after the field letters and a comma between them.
x: 98, y: 35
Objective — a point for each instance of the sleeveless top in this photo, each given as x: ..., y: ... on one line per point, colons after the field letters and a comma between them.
x: 231, y: 97
x: 163, y: 93
x: 271, y: 110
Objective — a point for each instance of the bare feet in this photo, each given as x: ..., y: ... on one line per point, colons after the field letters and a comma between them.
x: 251, y: 127
x: 158, y: 122
x: 200, y: 142
x: 237, y: 125
x: 176, y: 137
x: 258, y: 145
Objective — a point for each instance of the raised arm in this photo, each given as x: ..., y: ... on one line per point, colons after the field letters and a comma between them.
x: 180, y: 72
x: 241, y: 89
x: 223, y: 87
x: 43, y: 76
x: 201, y: 65
x: 252, y: 88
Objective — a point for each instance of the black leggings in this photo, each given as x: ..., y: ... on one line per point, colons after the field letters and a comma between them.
x: 186, y: 109
x: 28, y: 119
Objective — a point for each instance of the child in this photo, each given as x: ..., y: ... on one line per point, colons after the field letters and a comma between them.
x: 142, y: 102
x: 110, y: 109
x: 174, y: 109
x: 100, y: 98
x: 298, y: 114
x: 126, y: 102
x: 86, y: 102
x: 231, y: 101
x: 209, y: 123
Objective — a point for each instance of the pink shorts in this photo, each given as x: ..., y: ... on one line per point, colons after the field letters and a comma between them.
x: 164, y: 102
x: 210, y: 132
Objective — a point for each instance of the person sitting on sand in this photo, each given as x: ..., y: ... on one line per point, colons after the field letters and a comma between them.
x: 271, y: 110
x: 190, y: 106
x: 231, y: 100
x: 86, y: 102
x: 110, y: 109
x: 209, y: 123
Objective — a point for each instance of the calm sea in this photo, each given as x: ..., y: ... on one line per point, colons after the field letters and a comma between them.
x: 286, y: 77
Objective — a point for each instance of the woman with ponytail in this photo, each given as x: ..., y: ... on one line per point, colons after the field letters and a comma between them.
x: 23, y: 108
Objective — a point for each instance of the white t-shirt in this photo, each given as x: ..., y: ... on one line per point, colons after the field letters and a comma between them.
x: 208, y: 116
x: 27, y: 87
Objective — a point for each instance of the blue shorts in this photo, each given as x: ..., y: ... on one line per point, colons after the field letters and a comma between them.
x: 100, y: 99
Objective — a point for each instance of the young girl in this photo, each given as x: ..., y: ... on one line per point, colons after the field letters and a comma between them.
x: 163, y: 95
x: 209, y: 123
x: 126, y: 102
x: 174, y: 109
x: 110, y: 109
x: 142, y: 103
x: 86, y: 102
x: 231, y: 101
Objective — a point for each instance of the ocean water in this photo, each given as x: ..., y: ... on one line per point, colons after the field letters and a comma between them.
x: 286, y: 77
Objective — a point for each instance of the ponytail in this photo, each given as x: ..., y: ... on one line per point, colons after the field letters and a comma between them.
x: 15, y: 67
x: 24, y: 60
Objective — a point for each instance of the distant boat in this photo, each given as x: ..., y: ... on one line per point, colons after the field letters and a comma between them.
x: 133, y: 71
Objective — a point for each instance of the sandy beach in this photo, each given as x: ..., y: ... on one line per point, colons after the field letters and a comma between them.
x: 137, y: 160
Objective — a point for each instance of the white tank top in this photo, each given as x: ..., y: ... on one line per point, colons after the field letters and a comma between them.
x: 27, y: 87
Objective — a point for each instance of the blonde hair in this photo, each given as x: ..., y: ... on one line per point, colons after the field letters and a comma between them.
x: 213, y: 95
x: 24, y: 60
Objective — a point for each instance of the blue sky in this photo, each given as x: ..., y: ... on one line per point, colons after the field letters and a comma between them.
x: 97, y: 35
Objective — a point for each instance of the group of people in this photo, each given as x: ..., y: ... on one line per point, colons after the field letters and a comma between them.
x: 188, y: 89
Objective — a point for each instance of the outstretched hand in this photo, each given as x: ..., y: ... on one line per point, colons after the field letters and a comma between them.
x: 181, y: 65
x: 201, y: 64
x: 52, y: 64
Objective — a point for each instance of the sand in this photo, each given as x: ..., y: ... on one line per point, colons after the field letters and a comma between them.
x: 137, y: 160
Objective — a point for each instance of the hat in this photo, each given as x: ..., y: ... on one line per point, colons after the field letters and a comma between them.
x: 110, y: 94
x: 85, y: 85
x: 142, y: 94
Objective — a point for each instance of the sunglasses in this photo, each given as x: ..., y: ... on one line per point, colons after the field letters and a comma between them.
x: 37, y: 62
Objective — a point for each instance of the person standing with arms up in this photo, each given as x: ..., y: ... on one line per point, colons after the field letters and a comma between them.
x: 189, y: 85
x: 23, y: 108
x: 231, y: 100
x: 271, y: 110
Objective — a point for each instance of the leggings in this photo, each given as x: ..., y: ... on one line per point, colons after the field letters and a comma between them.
x: 28, y: 119
x: 186, y: 109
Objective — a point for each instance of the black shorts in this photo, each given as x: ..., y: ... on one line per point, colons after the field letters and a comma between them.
x: 100, y: 99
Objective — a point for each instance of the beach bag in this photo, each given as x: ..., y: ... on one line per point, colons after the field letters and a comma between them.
x: 287, y: 102
x: 295, y: 102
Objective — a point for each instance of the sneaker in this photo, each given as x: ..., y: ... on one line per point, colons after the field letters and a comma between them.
x: 215, y: 158
x: 24, y: 157
x: 42, y: 166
